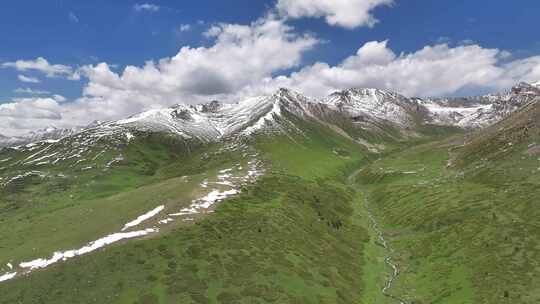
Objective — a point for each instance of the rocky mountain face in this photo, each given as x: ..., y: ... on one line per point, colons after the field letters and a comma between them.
x: 366, y: 108
x: 481, y: 111
x: 8, y: 141
x: 50, y: 133
x: 191, y: 126
x: 516, y: 134
x: 215, y: 121
x: 363, y: 105
x: 367, y: 116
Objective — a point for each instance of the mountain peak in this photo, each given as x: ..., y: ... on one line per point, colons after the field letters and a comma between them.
x: 286, y: 92
x: 524, y: 88
x: 94, y: 124
x: 365, y: 92
x: 370, y: 103
x: 211, y: 107
x: 282, y: 90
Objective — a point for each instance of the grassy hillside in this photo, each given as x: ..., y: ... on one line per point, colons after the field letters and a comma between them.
x: 69, y: 206
x: 461, y: 235
x: 296, y: 236
x: 462, y: 221
x: 281, y: 241
x: 515, y: 137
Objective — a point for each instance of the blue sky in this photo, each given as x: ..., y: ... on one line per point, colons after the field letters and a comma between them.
x: 81, y: 33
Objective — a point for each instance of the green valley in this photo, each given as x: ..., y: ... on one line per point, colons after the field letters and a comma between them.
x: 312, y: 205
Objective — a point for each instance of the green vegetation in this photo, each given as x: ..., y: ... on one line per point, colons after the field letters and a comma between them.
x: 296, y: 236
x: 284, y: 240
x: 40, y: 216
x: 318, y: 153
x: 460, y: 214
x: 465, y: 235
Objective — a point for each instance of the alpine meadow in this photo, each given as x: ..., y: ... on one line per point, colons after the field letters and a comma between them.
x: 261, y: 164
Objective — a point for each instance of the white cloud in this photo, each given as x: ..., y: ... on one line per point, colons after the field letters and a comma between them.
x: 58, y: 98
x: 31, y: 91
x: 241, y: 56
x: 184, y: 28
x: 40, y: 64
x: 431, y: 71
x: 28, y: 79
x: 527, y: 69
x: 31, y: 108
x: 344, y: 13
x: 149, y: 7
x: 242, y: 63
x: 213, y: 31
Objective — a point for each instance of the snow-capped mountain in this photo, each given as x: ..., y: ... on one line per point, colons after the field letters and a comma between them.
x: 6, y: 141
x: 50, y: 133
x: 369, y: 104
x: 362, y: 115
x: 479, y: 112
x: 215, y: 120
x: 203, y: 123
x: 103, y: 145
x: 365, y: 107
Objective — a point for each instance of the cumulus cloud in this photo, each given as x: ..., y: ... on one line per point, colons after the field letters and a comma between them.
x: 59, y: 98
x: 31, y: 91
x: 149, y: 7
x: 344, y: 13
x: 31, y: 108
x: 28, y: 79
x: 41, y: 64
x: 241, y: 56
x: 244, y: 61
x: 437, y: 70
x: 527, y: 69
x: 431, y: 71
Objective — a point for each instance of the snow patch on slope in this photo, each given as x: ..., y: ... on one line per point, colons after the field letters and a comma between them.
x: 466, y: 116
x: 92, y: 246
x: 206, y: 202
x: 150, y: 214
x: 265, y: 120
x: 7, y: 276
x: 226, y: 183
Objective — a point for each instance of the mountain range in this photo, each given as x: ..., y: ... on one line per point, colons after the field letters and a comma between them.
x: 364, y: 196
x: 215, y: 120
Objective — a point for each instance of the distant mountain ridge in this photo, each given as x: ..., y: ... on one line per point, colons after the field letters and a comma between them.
x: 214, y: 121
x: 50, y: 133
x: 481, y: 111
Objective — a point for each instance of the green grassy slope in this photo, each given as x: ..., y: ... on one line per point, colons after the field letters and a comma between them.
x: 317, y: 153
x: 295, y: 236
x: 64, y: 211
x: 281, y: 241
x: 466, y: 234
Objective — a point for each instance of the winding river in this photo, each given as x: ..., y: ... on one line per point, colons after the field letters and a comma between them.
x: 389, y: 251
